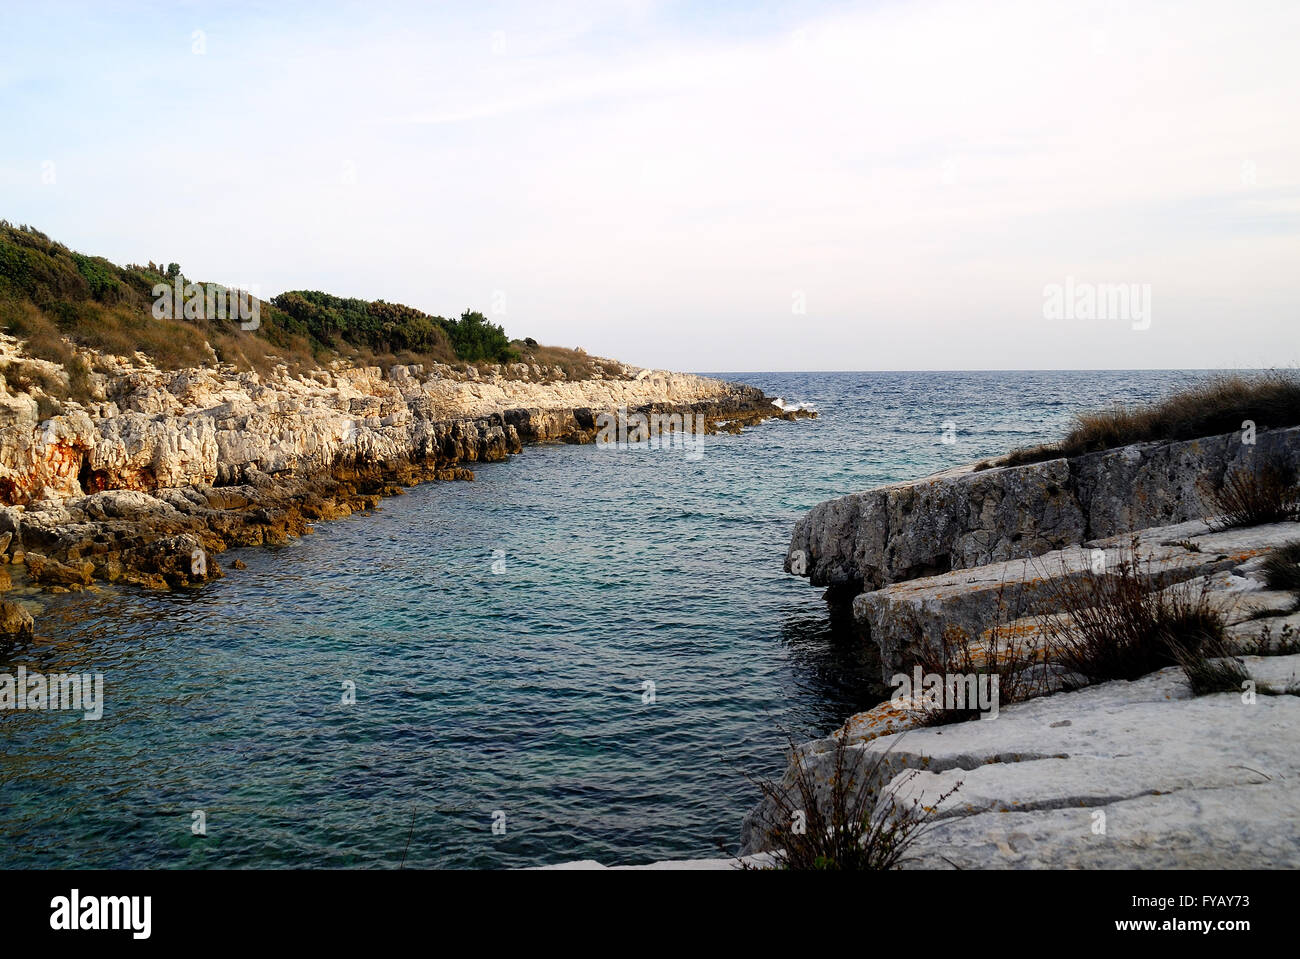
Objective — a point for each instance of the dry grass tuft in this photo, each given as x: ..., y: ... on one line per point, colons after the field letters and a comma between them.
x: 1282, y: 568
x: 1121, y: 624
x: 1265, y: 493
x: 852, y: 831
x: 1007, y: 655
x: 1219, y: 403
x: 1210, y: 667
x: 576, y: 364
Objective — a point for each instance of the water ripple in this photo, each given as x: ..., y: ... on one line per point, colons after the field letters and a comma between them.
x: 500, y: 635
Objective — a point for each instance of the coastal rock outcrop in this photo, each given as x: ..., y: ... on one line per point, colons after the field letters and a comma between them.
x: 907, y: 620
x: 969, y: 517
x: 977, y: 559
x: 1175, y: 780
x: 159, y: 430
x: 161, y: 464
x: 956, y: 552
x: 15, y: 622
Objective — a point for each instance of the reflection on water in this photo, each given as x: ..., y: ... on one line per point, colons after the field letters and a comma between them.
x: 833, y: 664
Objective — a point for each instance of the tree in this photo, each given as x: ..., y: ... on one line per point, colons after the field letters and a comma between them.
x: 474, y: 338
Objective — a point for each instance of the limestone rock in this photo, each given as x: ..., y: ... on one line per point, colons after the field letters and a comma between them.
x: 193, y: 427
x: 50, y: 572
x: 1182, y: 781
x: 241, y: 459
x: 174, y: 561
x: 15, y: 622
x: 905, y: 620
x: 966, y: 517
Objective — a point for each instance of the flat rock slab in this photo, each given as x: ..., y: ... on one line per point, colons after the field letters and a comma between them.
x: 905, y: 620
x: 1275, y: 634
x: 760, y: 861
x: 1244, y: 827
x: 1182, y: 781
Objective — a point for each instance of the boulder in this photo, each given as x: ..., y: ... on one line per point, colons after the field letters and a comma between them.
x: 174, y: 561
x: 44, y: 571
x: 15, y: 622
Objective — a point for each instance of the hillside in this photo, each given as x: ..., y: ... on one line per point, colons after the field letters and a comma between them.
x: 58, y: 301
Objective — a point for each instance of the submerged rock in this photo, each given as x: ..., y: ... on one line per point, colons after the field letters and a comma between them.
x: 50, y: 572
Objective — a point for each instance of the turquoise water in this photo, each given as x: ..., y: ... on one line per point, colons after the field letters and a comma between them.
x: 500, y: 634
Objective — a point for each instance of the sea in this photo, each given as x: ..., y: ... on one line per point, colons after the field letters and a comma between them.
x: 584, y: 654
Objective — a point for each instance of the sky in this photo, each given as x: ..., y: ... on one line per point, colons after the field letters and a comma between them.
x: 714, y: 186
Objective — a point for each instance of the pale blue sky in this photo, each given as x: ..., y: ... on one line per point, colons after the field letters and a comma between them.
x: 665, y: 182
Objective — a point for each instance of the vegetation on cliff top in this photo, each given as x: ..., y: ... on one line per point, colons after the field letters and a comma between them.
x: 51, y: 297
x: 392, y: 328
x: 1220, y: 403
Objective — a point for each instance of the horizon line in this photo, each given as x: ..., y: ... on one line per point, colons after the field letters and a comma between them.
x: 1035, y: 369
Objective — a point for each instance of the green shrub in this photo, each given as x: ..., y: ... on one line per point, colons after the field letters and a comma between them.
x: 475, y: 338
x: 49, y: 294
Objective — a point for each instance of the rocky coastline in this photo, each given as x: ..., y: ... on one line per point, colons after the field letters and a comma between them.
x: 1074, y: 772
x: 913, y: 558
x: 164, y: 470
x: 1142, y: 773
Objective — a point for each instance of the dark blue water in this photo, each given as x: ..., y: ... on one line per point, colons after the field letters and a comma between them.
x: 500, y: 634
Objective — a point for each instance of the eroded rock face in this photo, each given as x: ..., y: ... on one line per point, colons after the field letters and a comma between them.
x: 954, y: 520
x: 965, y: 517
x: 981, y: 556
x: 163, y: 430
x: 220, y: 458
x: 953, y: 553
x: 907, y: 620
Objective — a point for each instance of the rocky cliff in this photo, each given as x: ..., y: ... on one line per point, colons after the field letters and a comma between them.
x: 1073, y: 771
x: 973, y: 516
x: 915, y: 559
x: 160, y: 470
